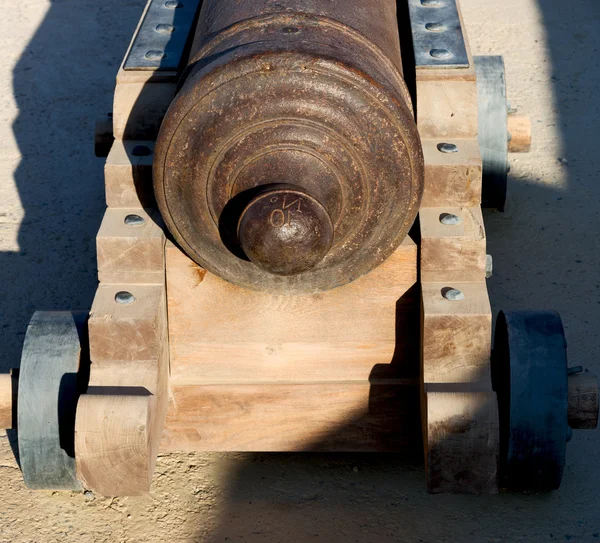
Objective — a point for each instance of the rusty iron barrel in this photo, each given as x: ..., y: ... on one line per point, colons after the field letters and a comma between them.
x: 289, y: 160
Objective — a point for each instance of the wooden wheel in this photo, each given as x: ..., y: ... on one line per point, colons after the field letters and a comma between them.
x: 529, y: 366
x: 52, y: 376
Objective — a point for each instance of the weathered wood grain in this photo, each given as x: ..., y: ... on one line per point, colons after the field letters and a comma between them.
x: 351, y: 416
x: 452, y: 179
x: 452, y: 248
x: 446, y: 108
x: 113, y: 432
x: 7, y: 401
x: 223, y: 333
x: 120, y: 419
x: 128, y: 174
x: 462, y: 442
x: 456, y: 334
x: 519, y: 128
x: 583, y: 401
x: 458, y: 406
x: 131, y: 254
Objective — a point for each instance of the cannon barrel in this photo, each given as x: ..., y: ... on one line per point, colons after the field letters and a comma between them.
x: 289, y: 160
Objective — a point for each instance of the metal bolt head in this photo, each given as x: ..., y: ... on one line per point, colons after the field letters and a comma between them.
x: 449, y: 219
x: 447, y: 148
x: 452, y: 294
x: 173, y: 4
x: 440, y: 54
x: 164, y: 28
x: 155, y: 54
x: 134, y: 220
x: 124, y: 298
x: 435, y: 27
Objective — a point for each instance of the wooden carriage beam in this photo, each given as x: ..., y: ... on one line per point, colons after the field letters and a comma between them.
x: 458, y: 406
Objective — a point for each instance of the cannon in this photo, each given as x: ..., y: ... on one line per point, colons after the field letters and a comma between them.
x: 293, y: 258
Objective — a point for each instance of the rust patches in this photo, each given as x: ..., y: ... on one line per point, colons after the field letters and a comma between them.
x: 199, y: 274
x: 315, y: 101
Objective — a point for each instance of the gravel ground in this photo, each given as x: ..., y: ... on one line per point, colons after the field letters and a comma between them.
x: 57, y: 75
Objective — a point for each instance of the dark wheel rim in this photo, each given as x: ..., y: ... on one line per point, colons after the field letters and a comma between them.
x: 492, y: 129
x: 529, y: 366
x: 52, y: 375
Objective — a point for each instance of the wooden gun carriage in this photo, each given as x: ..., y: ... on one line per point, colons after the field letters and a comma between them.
x: 293, y: 258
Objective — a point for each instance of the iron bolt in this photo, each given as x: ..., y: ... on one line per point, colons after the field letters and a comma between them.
x: 449, y: 219
x: 134, y: 220
x: 447, y: 148
x: 125, y: 298
x: 453, y: 294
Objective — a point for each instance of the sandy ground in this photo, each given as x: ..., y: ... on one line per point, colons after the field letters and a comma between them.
x: 58, y: 64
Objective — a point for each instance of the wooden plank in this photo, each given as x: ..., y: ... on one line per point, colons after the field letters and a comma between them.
x: 355, y: 416
x: 458, y: 406
x: 447, y: 109
x: 462, y: 442
x: 128, y: 175
x: 452, y: 179
x: 452, y: 248
x: 127, y: 332
x: 140, y: 106
x: 131, y: 252
x: 119, y: 421
x: 223, y: 333
x: 456, y: 334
